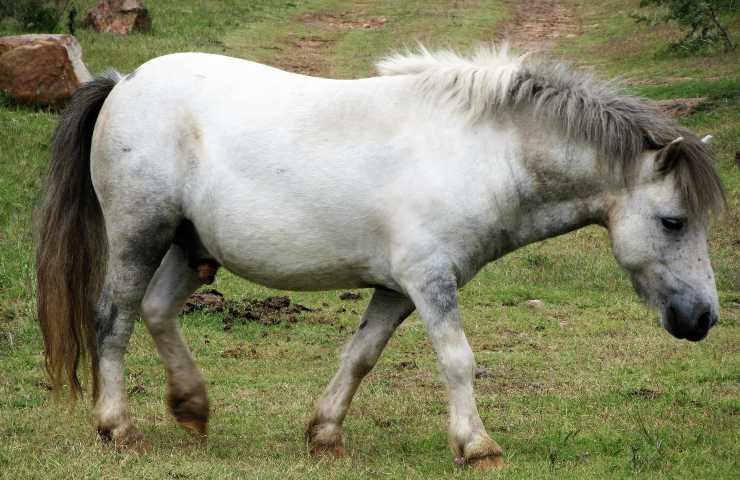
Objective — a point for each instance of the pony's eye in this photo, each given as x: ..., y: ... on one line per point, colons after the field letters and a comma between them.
x: 673, y: 224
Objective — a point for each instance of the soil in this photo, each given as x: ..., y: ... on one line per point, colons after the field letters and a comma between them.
x: 340, y: 21
x: 644, y: 392
x: 350, y: 296
x: 679, y: 107
x: 267, y: 311
x: 538, y: 24
x: 309, y: 54
x: 305, y: 54
x: 240, y: 351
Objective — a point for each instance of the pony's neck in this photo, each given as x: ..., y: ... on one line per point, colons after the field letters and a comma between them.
x: 562, y: 187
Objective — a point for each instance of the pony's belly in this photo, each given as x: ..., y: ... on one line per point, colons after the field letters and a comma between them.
x: 298, y: 259
x: 312, y: 244
x: 304, y: 277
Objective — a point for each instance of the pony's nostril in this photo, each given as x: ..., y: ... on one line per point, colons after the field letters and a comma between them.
x: 704, y: 322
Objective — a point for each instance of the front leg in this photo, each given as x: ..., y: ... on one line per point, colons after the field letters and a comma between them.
x: 435, y: 297
x: 386, y: 311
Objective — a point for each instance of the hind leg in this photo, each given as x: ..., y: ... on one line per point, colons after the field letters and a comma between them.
x: 132, y: 259
x: 173, y: 282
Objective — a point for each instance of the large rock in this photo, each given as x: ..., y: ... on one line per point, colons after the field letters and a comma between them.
x: 118, y: 16
x: 41, y: 69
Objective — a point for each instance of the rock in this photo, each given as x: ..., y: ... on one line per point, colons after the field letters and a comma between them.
x: 536, y: 304
x: 118, y: 16
x: 41, y: 69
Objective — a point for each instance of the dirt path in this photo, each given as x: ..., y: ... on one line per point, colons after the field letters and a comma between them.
x: 538, y: 24
x: 310, y: 54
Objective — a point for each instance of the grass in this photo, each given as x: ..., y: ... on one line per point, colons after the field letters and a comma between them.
x: 586, y: 387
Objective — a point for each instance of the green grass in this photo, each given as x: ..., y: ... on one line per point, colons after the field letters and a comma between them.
x: 587, y: 387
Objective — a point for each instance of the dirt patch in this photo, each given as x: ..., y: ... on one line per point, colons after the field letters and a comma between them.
x: 406, y: 365
x: 309, y: 54
x: 240, y: 351
x: 305, y: 54
x: 668, y: 80
x: 43, y: 385
x: 644, y: 393
x: 267, y: 311
x: 340, y: 21
x: 538, y: 24
x: 679, y: 107
x: 350, y: 296
x: 481, y: 372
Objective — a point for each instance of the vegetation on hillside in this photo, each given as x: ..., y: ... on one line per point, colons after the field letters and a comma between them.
x: 699, y: 19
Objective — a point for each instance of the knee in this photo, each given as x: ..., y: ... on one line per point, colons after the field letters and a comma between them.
x: 459, y: 364
x: 156, y: 313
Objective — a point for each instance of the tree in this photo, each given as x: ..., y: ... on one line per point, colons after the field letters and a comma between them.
x: 700, y: 19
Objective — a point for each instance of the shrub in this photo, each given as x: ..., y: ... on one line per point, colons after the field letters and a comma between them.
x: 699, y: 18
x: 34, y: 15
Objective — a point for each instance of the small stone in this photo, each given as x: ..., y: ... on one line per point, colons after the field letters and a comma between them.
x: 535, y: 304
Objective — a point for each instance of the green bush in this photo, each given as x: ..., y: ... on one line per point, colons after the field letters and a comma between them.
x: 700, y: 19
x: 34, y: 15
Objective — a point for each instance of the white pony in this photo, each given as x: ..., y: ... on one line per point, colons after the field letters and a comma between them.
x: 408, y: 183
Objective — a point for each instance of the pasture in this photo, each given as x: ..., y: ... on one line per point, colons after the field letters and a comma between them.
x: 587, y: 385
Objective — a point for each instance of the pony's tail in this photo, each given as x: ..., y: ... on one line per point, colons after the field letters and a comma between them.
x: 71, y: 248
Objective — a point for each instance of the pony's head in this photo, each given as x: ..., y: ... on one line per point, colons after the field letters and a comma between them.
x: 658, y: 228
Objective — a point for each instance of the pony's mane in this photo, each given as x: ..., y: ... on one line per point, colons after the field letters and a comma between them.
x: 619, y: 126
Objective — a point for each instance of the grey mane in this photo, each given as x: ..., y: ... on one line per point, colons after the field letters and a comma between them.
x: 619, y: 126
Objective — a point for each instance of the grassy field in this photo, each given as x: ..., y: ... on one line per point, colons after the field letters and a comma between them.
x: 586, y: 387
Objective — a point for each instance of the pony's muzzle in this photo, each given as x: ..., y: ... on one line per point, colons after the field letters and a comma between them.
x: 689, y: 320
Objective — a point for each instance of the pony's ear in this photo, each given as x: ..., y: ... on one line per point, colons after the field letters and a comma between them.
x: 667, y: 155
x: 707, y: 139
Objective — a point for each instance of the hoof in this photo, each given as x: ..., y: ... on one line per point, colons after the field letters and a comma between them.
x: 481, y: 454
x: 325, y: 439
x: 492, y: 462
x: 125, y: 440
x: 197, y: 428
x: 190, y: 410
